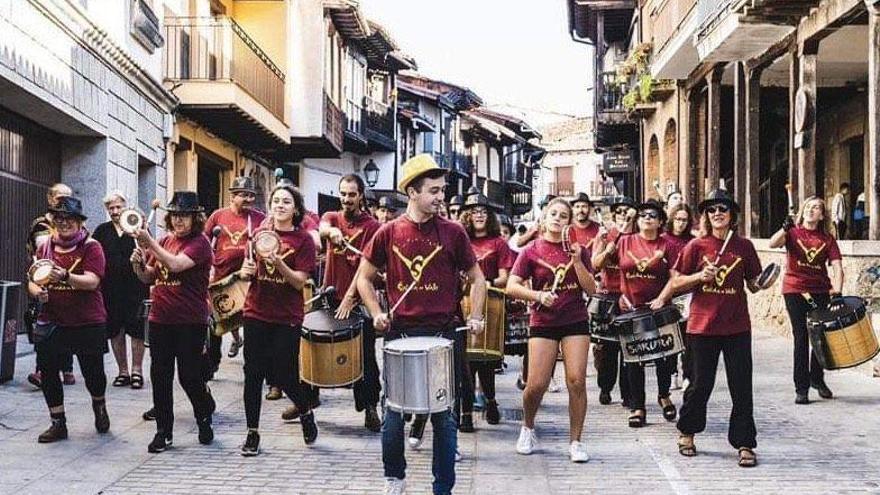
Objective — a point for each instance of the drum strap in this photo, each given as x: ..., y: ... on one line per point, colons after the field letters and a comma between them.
x: 810, y: 300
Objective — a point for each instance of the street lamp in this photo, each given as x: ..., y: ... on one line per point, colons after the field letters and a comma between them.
x: 371, y: 173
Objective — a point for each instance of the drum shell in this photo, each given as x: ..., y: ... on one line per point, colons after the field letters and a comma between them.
x: 602, y: 309
x: 516, y: 336
x: 419, y: 375
x: 646, y: 336
x: 227, y: 302
x: 683, y: 304
x: 488, y: 345
x: 332, y: 358
x: 845, y: 338
x: 38, y: 273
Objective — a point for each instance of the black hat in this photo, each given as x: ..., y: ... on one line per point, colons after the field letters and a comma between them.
x: 622, y: 201
x: 386, y: 202
x: 184, y: 202
x: 505, y: 220
x: 653, y: 204
x: 475, y: 200
x: 68, y: 205
x: 471, y: 191
x: 243, y: 183
x: 547, y: 199
x: 718, y: 196
x: 456, y: 200
x: 370, y: 196
x: 581, y: 198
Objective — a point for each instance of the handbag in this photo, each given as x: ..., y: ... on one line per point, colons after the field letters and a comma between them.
x: 43, y: 331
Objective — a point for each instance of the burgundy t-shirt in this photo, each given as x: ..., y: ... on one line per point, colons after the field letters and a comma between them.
x: 69, y: 307
x: 437, y: 251
x: 182, y: 298
x: 270, y: 298
x: 674, y: 245
x: 342, y: 263
x: 310, y: 221
x: 644, y: 266
x: 493, y: 254
x: 719, y: 308
x: 540, y: 261
x: 584, y: 235
x: 611, y: 272
x: 809, y: 252
x: 231, y: 245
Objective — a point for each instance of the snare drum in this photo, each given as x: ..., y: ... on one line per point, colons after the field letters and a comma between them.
x: 842, y: 335
x: 39, y: 272
x: 602, y: 309
x: 330, y: 350
x: 516, y: 336
x: 227, y: 302
x: 646, y: 336
x: 683, y: 304
x: 419, y: 375
x: 488, y: 345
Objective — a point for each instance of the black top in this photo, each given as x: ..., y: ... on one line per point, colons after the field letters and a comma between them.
x: 123, y: 292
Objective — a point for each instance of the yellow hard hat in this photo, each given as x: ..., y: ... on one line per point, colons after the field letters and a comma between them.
x: 415, y: 167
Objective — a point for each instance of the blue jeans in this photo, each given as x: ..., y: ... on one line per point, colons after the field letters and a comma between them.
x: 445, y: 445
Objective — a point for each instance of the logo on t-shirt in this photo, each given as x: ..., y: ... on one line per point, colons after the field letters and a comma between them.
x: 721, y: 278
x: 642, y: 264
x: 559, y: 273
x: 234, y: 237
x: 348, y: 240
x: 811, y: 253
x: 164, y: 276
x: 271, y: 268
x: 417, y: 265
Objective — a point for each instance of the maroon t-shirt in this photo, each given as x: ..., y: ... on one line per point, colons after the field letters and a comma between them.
x: 493, y: 254
x: 674, y: 245
x: 69, y: 307
x: 541, y: 261
x: 719, y: 308
x: 584, y: 235
x: 342, y: 263
x: 809, y: 252
x: 644, y: 266
x: 182, y: 298
x: 310, y: 221
x: 231, y: 245
x: 434, y: 253
x: 270, y: 298
x: 611, y: 272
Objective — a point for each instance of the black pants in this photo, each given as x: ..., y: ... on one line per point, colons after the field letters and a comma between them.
x: 56, y: 355
x: 463, y: 377
x: 609, y: 366
x: 686, y: 363
x: 806, y: 366
x: 841, y: 230
x: 275, y: 347
x: 367, y: 389
x: 737, y: 350
x: 635, y: 374
x: 183, y: 344
x: 485, y: 372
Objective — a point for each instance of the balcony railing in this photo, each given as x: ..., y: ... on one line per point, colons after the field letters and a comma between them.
x: 379, y: 118
x: 218, y: 49
x: 456, y: 162
x: 519, y: 173
x: 610, y: 98
x: 600, y: 189
x: 562, y: 188
x: 334, y: 130
x: 463, y: 164
x: 668, y: 19
x: 354, y: 117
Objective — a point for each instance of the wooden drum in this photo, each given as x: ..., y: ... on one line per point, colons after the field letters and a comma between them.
x: 842, y: 335
x: 489, y: 344
x: 227, y: 302
x: 330, y: 351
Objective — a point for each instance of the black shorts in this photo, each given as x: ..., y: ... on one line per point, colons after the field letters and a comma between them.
x: 560, y: 332
x: 75, y: 340
x: 133, y: 327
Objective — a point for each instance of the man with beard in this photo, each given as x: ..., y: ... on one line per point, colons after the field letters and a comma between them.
x: 583, y: 228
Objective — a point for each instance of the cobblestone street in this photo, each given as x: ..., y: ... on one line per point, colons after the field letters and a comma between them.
x: 828, y: 446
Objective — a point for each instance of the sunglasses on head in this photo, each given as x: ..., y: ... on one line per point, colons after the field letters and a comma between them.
x: 717, y: 209
x: 649, y: 215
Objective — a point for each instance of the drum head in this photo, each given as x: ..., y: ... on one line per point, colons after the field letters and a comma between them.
x: 769, y: 275
x: 416, y: 344
x: 836, y: 317
x: 322, y: 324
x: 266, y: 243
x: 40, y: 270
x: 130, y: 220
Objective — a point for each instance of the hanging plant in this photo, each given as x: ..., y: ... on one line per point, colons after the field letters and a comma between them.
x: 630, y: 100
x: 646, y: 86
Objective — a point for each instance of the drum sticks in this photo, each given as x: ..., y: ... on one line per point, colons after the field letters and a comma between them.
x: 723, y: 246
x: 402, y: 297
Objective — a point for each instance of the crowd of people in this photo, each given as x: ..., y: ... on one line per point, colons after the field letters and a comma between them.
x: 404, y: 276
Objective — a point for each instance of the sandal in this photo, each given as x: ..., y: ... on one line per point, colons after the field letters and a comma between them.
x: 137, y: 381
x: 637, y: 418
x: 686, y: 445
x: 121, y: 381
x: 747, y: 457
x: 669, y: 410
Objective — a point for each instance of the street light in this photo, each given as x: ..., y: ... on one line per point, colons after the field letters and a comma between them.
x: 371, y: 173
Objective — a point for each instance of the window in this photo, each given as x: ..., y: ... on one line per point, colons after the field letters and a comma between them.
x: 144, y: 25
x: 428, y: 143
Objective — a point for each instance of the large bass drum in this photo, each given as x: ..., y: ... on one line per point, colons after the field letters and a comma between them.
x: 330, y: 350
x: 602, y: 309
x: 227, y: 302
x: 646, y: 335
x: 488, y: 345
x: 842, y: 335
x: 419, y: 375
x: 516, y: 335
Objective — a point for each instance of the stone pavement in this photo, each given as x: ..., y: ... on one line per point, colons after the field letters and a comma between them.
x: 826, y: 447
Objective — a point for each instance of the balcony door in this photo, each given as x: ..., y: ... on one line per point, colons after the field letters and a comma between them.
x: 564, y: 181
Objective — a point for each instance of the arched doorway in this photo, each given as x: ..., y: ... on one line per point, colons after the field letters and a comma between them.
x: 670, y: 159
x: 652, y: 168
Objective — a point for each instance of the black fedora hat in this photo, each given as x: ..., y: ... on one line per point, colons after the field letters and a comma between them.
x: 475, y: 200
x: 386, y: 202
x: 547, y: 199
x: 653, y: 204
x: 456, y: 200
x: 718, y: 196
x: 243, y: 184
x: 68, y: 205
x: 582, y: 197
x: 622, y: 201
x: 370, y: 197
x: 184, y: 202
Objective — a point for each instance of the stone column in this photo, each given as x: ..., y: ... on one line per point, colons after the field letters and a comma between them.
x: 873, y: 197
x: 740, y: 115
x: 713, y: 137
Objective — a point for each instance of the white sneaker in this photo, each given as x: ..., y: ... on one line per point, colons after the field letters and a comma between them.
x: 554, y: 386
x: 578, y: 452
x: 394, y: 486
x: 458, y: 456
x: 685, y: 384
x: 676, y: 382
x: 527, y: 441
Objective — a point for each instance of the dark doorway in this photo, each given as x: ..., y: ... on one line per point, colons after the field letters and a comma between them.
x: 327, y: 203
x: 209, y: 183
x: 820, y: 173
x: 856, y: 168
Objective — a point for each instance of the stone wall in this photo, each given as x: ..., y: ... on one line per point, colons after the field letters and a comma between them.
x: 861, y: 268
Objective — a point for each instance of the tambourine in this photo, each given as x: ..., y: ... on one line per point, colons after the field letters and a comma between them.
x: 266, y: 243
x: 768, y: 276
x: 130, y: 220
x: 39, y: 272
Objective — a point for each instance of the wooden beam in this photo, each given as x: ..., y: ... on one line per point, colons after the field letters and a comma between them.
x: 740, y: 116
x: 806, y: 152
x: 713, y: 138
x: 751, y: 204
x: 826, y: 18
x: 793, y: 80
x: 778, y: 49
x: 691, y: 172
x: 699, y: 75
x: 874, y: 118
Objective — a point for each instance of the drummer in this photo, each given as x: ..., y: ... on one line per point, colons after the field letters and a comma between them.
x: 810, y: 248
x: 273, y: 314
x: 644, y: 267
x: 677, y: 234
x: 609, y: 359
x: 495, y: 259
x: 178, y: 266
x: 230, y: 246
x: 719, y: 323
x: 349, y: 231
x: 425, y: 254
x: 559, y: 316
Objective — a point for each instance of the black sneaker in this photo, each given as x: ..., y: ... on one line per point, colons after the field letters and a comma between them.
x: 824, y: 391
x: 161, y: 442
x: 492, y: 414
x: 149, y: 414
x: 467, y: 423
x: 801, y: 398
x: 102, y: 419
x: 604, y: 398
x: 251, y: 445
x: 417, y: 431
x: 57, y: 431
x: 371, y: 419
x: 206, y: 433
x: 309, y: 427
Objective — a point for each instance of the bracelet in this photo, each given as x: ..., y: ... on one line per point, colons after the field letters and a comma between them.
x: 66, y: 276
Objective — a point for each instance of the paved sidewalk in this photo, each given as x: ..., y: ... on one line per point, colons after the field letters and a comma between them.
x: 826, y: 447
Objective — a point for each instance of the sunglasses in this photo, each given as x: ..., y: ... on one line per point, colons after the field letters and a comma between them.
x: 479, y: 211
x: 621, y: 211
x: 649, y: 215
x: 717, y: 209
x: 62, y: 218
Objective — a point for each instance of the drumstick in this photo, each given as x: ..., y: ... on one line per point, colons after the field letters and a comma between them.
x: 250, y: 233
x: 723, y: 246
x: 791, y: 208
x: 352, y: 248
x: 402, y: 297
x: 627, y: 301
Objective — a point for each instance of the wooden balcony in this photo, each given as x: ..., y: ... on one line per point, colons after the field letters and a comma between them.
x: 354, y: 139
x: 379, y: 129
x: 609, y: 100
x: 743, y: 29
x: 225, y: 81
x: 562, y: 188
x: 518, y: 176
